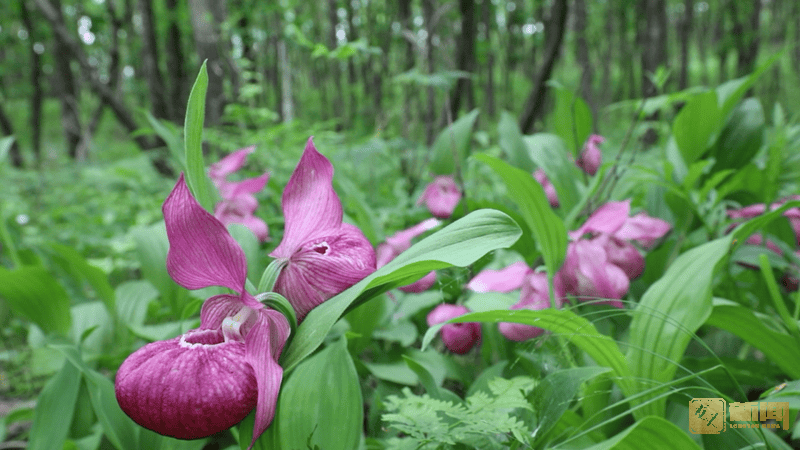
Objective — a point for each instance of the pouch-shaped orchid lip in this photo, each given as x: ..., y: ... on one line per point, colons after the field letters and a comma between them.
x: 188, y: 387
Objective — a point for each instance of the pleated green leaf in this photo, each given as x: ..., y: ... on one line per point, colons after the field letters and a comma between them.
x: 55, y: 407
x: 653, y: 433
x: 452, y: 145
x: 459, y: 244
x: 550, y: 153
x: 547, y: 228
x: 34, y: 294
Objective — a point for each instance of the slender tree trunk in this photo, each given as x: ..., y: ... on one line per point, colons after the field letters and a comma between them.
x: 178, y: 75
x: 207, y: 16
x: 352, y: 35
x: 487, y: 11
x: 8, y: 130
x: 409, y: 92
x: 287, y: 105
x: 336, y: 69
x: 653, y: 42
x: 582, y: 53
x: 702, y: 33
x: 796, y: 48
x: 150, y: 58
x: 427, y: 13
x: 606, y: 95
x: 685, y: 31
x: 722, y: 42
x: 465, y: 60
x: 746, y: 18
x: 36, y: 86
x: 66, y: 88
x: 533, y: 108
x: 628, y: 87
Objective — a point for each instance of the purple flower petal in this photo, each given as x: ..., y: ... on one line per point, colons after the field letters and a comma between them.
x: 401, y: 241
x: 229, y: 164
x: 248, y: 186
x: 503, y: 280
x: 201, y: 251
x: 309, y: 202
x: 549, y: 189
x: 457, y: 337
x: 623, y: 255
x: 643, y: 229
x: 322, y: 267
x: 591, y: 157
x: 587, y: 272
x: 188, y: 387
x: 264, y: 344
x: 441, y: 196
x: 421, y: 285
x: 607, y: 219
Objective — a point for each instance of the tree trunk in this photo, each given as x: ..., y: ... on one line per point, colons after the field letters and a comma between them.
x: 722, y: 42
x: 533, y: 108
x: 685, y: 31
x: 335, y: 68
x: 8, y: 130
x: 64, y: 83
x: 207, y: 17
x: 287, y: 106
x: 582, y: 54
x: 409, y: 92
x: 465, y: 59
x: 178, y: 75
x: 427, y: 13
x: 36, y: 86
x: 488, y: 20
x: 150, y: 58
x: 796, y: 48
x: 746, y: 17
x: 606, y: 95
x: 653, y: 42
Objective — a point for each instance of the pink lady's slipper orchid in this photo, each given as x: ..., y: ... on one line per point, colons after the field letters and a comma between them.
x: 324, y: 256
x: 238, y: 202
x: 549, y: 189
x: 457, y: 337
x: 534, y: 296
x: 504, y: 280
x: 207, y: 379
x: 441, y: 196
x: 591, y: 157
x: 587, y: 272
x: 400, y: 242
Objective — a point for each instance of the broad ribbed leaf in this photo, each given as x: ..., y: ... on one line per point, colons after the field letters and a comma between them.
x: 326, y: 387
x: 550, y: 153
x: 459, y: 244
x: 54, y: 409
x: 653, y: 433
x: 34, y: 294
x: 779, y: 348
x: 510, y: 140
x: 452, y: 145
x: 548, y: 229
x: 667, y: 316
x: 80, y: 269
x: 572, y: 119
x: 695, y: 126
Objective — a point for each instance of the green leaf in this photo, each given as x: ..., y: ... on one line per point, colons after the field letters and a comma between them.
x: 73, y: 262
x: 452, y: 145
x: 132, y: 300
x: 742, y: 137
x: 667, y: 316
x: 196, y: 176
x: 430, y: 385
x: 548, y: 229
x: 87, y: 316
x: 731, y: 92
x: 5, y: 147
x: 120, y: 430
x: 552, y: 396
x: 34, y: 294
x: 512, y: 143
x: 577, y: 330
x: 250, y: 246
x: 572, y: 119
x: 549, y: 152
x: 169, y: 133
x: 55, y: 407
x: 779, y: 348
x: 695, y: 126
x: 459, y: 244
x: 650, y: 432
x: 326, y: 387
x: 151, y: 247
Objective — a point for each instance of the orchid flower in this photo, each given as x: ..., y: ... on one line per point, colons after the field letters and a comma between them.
x: 457, y: 337
x: 534, y: 296
x: 238, y: 202
x: 441, y: 196
x: 504, y: 280
x: 549, y: 189
x: 587, y: 272
x: 324, y: 256
x: 591, y: 157
x: 400, y: 242
x: 207, y: 379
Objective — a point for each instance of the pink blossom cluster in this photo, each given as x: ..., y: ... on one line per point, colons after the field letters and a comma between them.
x: 589, y: 161
x: 238, y: 202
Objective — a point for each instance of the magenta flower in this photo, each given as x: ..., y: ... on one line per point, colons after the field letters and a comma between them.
x: 441, y: 196
x: 324, y: 256
x: 238, y: 202
x: 590, y: 157
x: 507, y: 279
x: 549, y: 189
x: 587, y: 272
x: 457, y: 337
x: 749, y: 212
x: 208, y: 379
x: 612, y: 218
x: 400, y: 242
x: 534, y: 296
